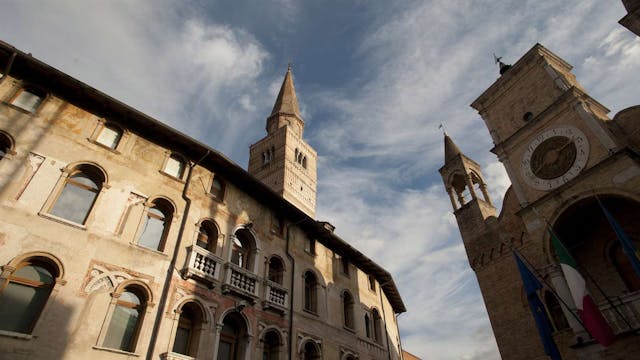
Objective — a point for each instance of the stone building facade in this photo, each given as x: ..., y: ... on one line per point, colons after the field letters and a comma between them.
x: 563, y: 155
x: 121, y: 238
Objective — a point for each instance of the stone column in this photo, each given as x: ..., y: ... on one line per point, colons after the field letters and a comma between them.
x: 452, y: 198
x: 216, y: 340
x: 472, y: 191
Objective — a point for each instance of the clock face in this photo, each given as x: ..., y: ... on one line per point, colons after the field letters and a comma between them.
x: 555, y: 157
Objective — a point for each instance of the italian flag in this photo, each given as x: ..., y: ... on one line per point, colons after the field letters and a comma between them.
x: 589, y: 313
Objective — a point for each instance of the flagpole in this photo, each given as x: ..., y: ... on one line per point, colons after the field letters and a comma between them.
x: 583, y: 269
x: 550, y: 288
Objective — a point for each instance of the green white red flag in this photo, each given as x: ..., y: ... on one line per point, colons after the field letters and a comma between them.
x: 588, y: 311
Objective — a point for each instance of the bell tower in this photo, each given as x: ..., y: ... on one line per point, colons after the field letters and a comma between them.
x: 282, y: 159
x: 468, y: 193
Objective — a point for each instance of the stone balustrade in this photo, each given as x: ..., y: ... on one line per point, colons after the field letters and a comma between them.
x: 276, y: 296
x: 240, y: 281
x: 202, y: 264
x: 628, y: 306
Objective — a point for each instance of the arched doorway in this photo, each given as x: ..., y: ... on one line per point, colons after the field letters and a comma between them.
x: 586, y: 233
x: 232, y: 344
x: 271, y: 344
x: 310, y: 351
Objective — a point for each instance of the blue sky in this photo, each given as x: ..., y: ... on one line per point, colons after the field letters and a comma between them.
x: 374, y: 80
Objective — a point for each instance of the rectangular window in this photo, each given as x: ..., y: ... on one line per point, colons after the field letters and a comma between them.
x: 109, y: 136
x: 27, y: 100
x: 217, y: 188
x: 344, y: 265
x: 310, y: 246
x: 174, y: 166
x: 372, y: 283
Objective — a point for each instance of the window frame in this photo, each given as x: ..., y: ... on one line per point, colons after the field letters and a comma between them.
x: 212, y: 242
x: 143, y: 292
x: 278, y: 274
x: 179, y: 158
x: 101, y: 126
x: 310, y: 293
x: 348, y: 304
x: 91, y: 171
x: 220, y: 194
x: 55, y: 269
x: 310, y: 246
x: 167, y: 208
x: 345, y: 268
x: 34, y: 90
x: 372, y: 282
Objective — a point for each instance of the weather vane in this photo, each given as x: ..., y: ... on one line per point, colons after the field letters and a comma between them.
x: 441, y: 126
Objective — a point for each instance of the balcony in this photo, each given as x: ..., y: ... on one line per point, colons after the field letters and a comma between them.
x: 202, y: 265
x: 276, y: 297
x: 175, y: 356
x: 629, y: 306
x: 241, y: 282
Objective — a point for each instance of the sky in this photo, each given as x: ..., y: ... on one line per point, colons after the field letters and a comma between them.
x: 374, y: 80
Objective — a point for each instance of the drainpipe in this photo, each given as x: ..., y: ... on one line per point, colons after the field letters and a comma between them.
x: 384, y: 316
x: 174, y: 258
x: 7, y: 69
x: 293, y: 278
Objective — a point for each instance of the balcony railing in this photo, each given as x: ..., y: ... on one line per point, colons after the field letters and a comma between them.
x: 202, y: 264
x: 275, y: 296
x: 240, y: 281
x: 628, y: 306
x: 175, y: 356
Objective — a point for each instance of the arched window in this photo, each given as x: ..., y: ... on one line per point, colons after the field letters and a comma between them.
x: 25, y: 295
x: 156, y: 225
x: 125, y: 322
x: 188, y: 331
x: 28, y: 99
x: 109, y: 136
x: 377, y: 326
x: 271, y: 346
x: 347, y: 309
x: 243, y: 250
x: 207, y: 236
x: 217, y: 188
x: 310, y: 292
x: 311, y: 351
x: 79, y: 193
x: 367, y: 326
x: 276, y: 270
x: 6, y: 145
x: 232, y: 336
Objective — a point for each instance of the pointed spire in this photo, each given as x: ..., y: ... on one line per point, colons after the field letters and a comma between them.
x: 451, y: 150
x: 287, y: 102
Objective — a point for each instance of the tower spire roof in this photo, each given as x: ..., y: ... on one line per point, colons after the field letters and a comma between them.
x: 451, y: 150
x: 287, y: 101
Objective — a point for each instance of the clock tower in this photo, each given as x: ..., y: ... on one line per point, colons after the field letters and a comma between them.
x: 567, y: 160
x: 546, y: 129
